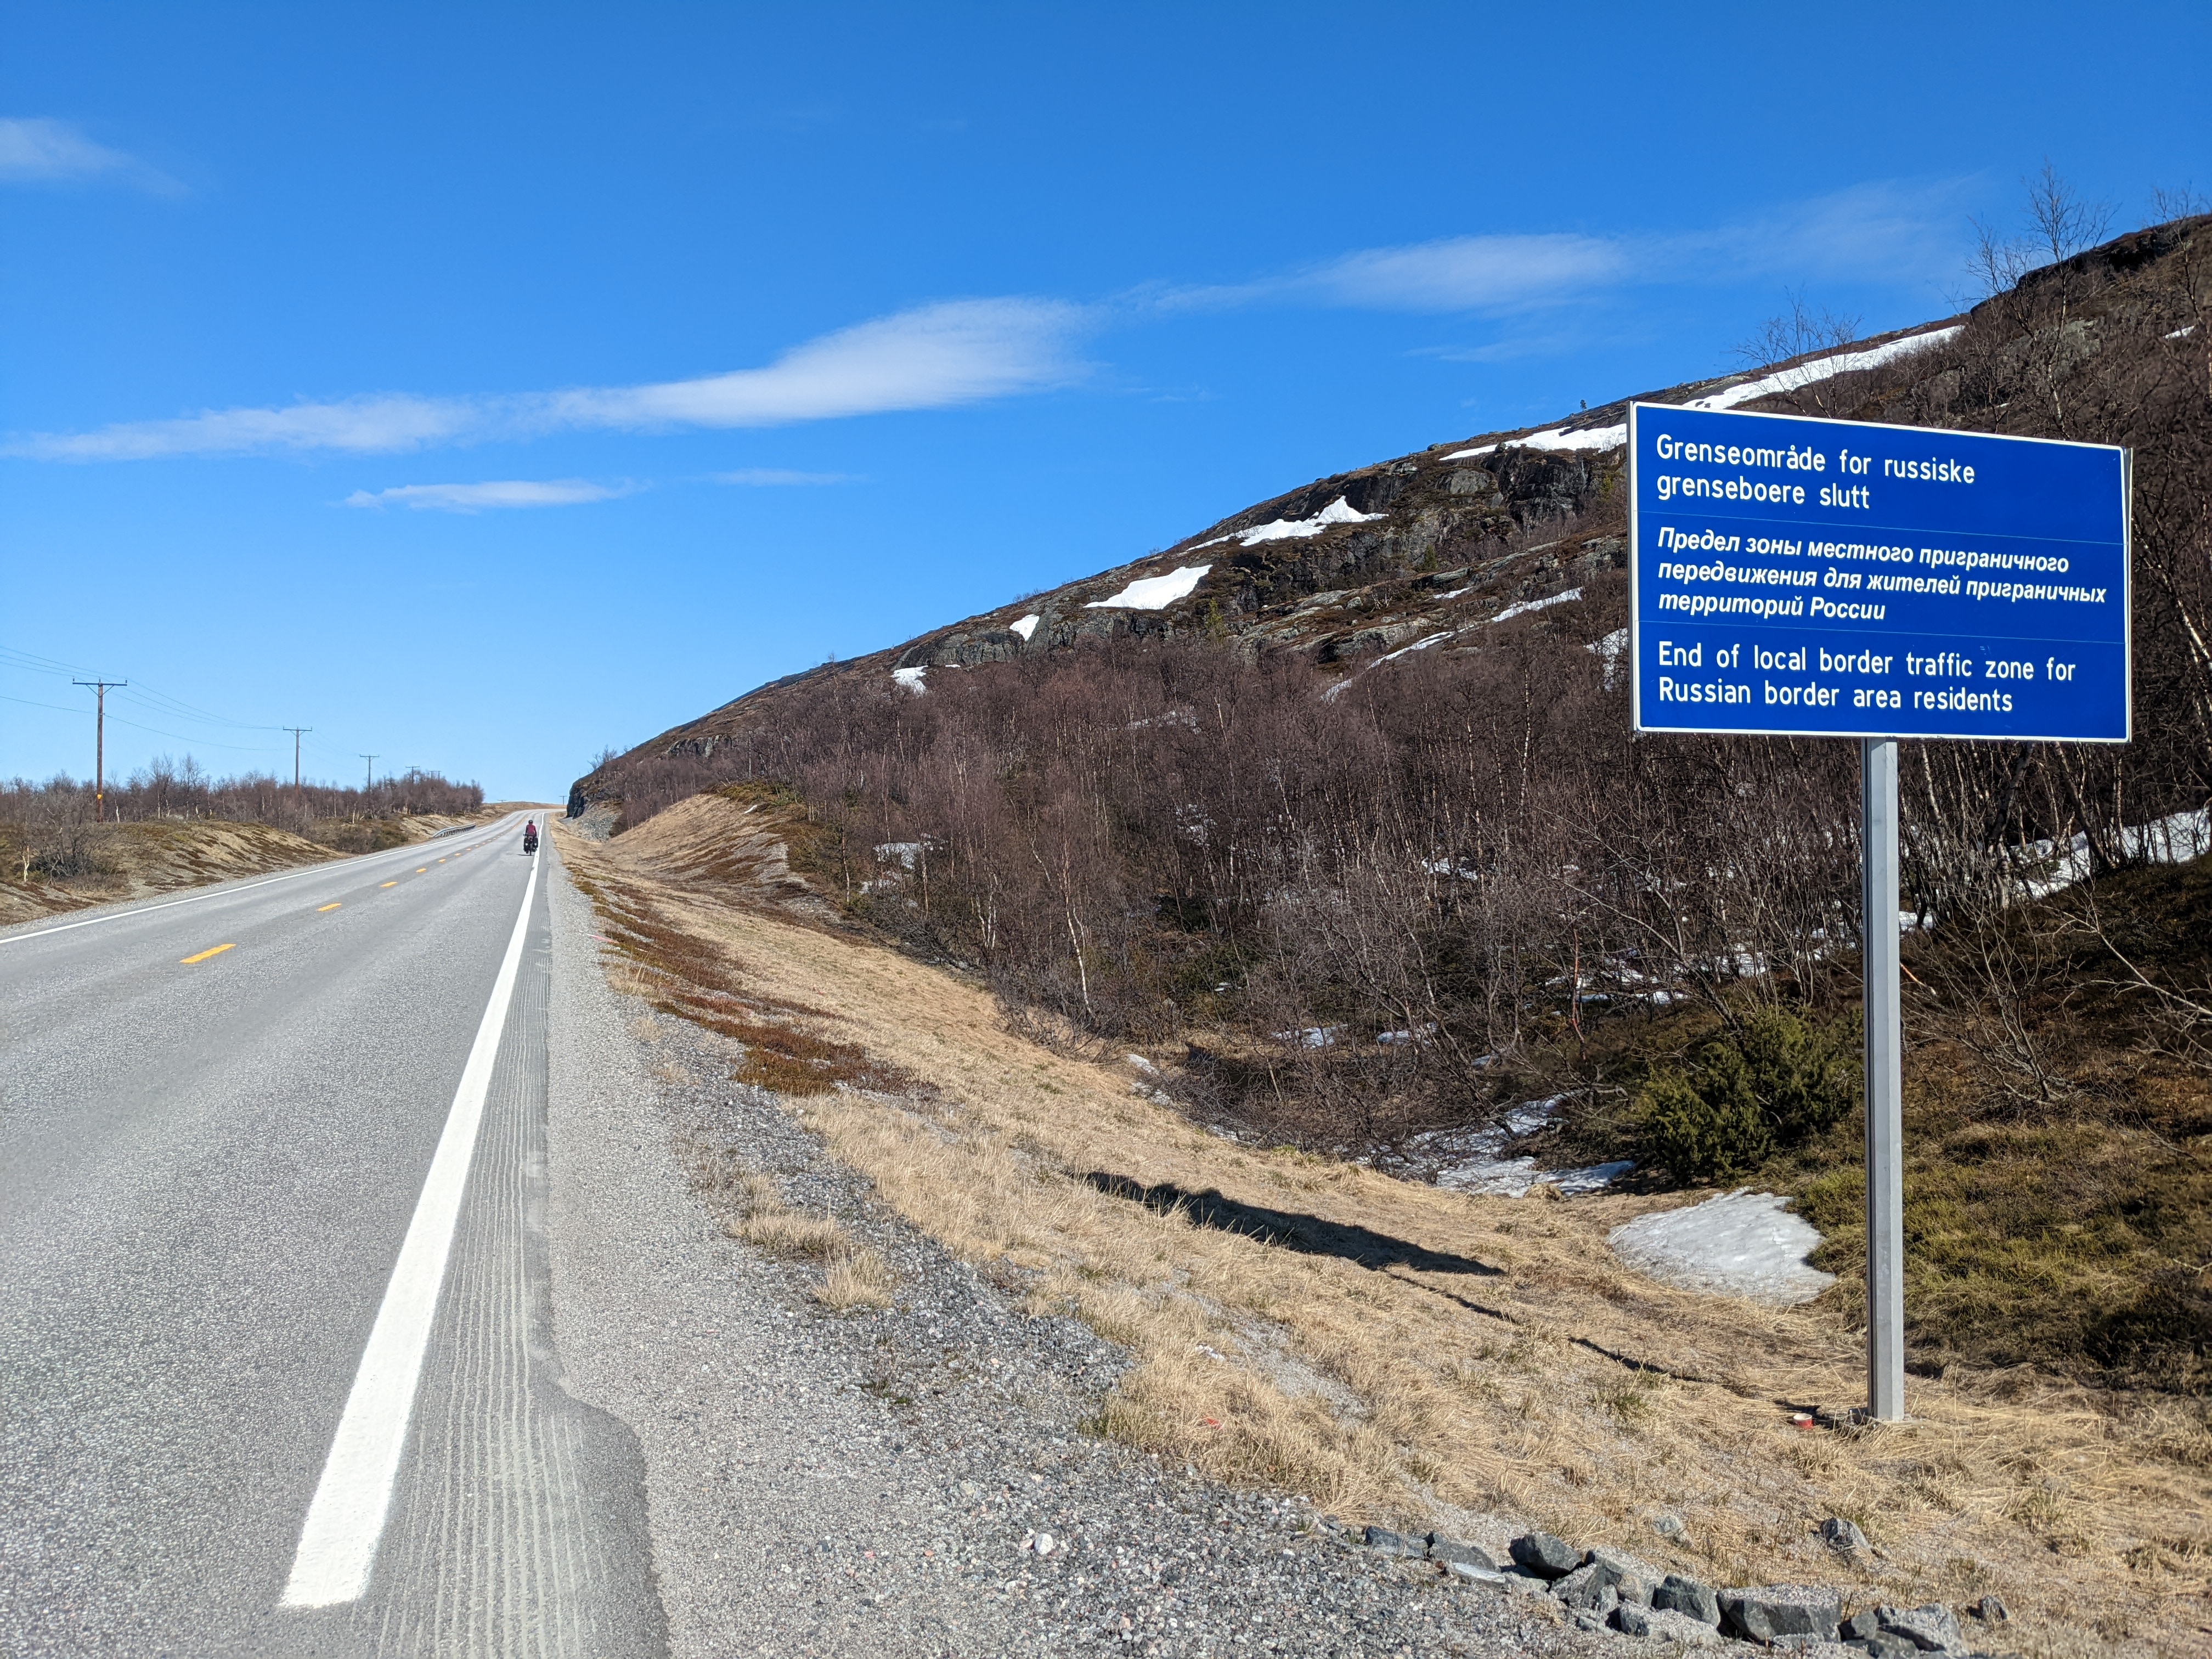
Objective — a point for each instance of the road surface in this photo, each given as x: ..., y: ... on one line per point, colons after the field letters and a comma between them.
x: 275, y: 1368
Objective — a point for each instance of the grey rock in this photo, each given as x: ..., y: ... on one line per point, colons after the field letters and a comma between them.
x: 1383, y: 1541
x: 1990, y: 1611
x: 1589, y: 1618
x: 1667, y: 1524
x: 1450, y: 1550
x: 1634, y: 1578
x: 1676, y: 1594
x: 1472, y: 481
x: 1861, y: 1625
x: 1588, y: 1585
x: 1880, y: 1646
x: 1934, y: 1628
x: 1843, y: 1536
x: 1544, y: 1555
x: 1816, y: 1647
x: 1662, y: 1626
x: 1468, y: 1572
x: 1761, y: 1613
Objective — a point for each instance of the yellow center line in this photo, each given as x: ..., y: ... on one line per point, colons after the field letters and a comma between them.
x: 391, y: 884
x: 188, y: 961
x: 320, y: 908
x: 424, y: 871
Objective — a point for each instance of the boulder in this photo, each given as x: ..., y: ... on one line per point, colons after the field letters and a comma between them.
x: 1468, y: 1572
x: 1544, y: 1555
x: 1844, y: 1537
x: 1383, y: 1541
x: 1686, y: 1596
x: 1452, y: 1550
x: 1662, y: 1626
x: 1990, y: 1611
x: 1592, y: 1587
x: 1933, y: 1629
x: 1635, y: 1579
x: 1759, y: 1612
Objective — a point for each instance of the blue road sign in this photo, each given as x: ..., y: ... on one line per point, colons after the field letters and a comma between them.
x: 1840, y: 579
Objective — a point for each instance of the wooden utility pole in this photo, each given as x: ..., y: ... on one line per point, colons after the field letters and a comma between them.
x: 295, y: 731
x: 369, y: 782
x: 99, y: 745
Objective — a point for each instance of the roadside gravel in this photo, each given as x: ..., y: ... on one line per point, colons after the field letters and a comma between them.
x: 880, y: 1483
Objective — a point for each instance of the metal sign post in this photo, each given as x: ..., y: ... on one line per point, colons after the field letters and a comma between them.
x: 1810, y: 578
x: 1885, y: 1079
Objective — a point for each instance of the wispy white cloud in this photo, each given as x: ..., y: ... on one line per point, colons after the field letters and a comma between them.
x: 477, y: 497
x: 1890, y: 230
x: 35, y: 150
x: 771, y: 475
x: 1455, y: 273
x: 934, y: 356
x: 1870, y: 229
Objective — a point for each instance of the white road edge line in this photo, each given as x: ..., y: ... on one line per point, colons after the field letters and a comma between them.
x: 149, y: 910
x: 345, y: 1520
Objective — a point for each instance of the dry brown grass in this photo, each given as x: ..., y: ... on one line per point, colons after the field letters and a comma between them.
x: 859, y: 1279
x: 852, y: 1275
x: 1509, y: 1365
x: 791, y: 1236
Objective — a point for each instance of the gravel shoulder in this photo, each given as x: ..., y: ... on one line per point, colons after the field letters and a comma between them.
x: 879, y: 1482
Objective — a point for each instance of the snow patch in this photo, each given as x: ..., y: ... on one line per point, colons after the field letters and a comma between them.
x: 1331, y: 693
x: 1154, y: 592
x: 910, y: 678
x: 1767, y: 385
x: 1596, y: 437
x: 1742, y: 1244
x: 1472, y: 1160
x: 2183, y: 333
x: 1527, y: 605
x: 1804, y: 374
x: 1339, y: 511
x: 2173, y: 840
x: 1026, y: 627
x: 1607, y: 651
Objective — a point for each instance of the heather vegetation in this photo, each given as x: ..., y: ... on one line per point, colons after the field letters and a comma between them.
x: 1351, y: 900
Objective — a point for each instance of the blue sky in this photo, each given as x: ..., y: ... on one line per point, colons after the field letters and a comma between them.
x: 483, y: 386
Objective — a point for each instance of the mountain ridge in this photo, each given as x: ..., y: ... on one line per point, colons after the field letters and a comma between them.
x: 1414, y: 551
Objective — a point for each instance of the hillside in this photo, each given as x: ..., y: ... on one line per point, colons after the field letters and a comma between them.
x: 1331, y: 812
x: 1425, y: 551
x: 1418, y: 552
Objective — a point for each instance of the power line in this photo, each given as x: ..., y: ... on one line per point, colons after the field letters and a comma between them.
x: 204, y: 742
x: 149, y: 696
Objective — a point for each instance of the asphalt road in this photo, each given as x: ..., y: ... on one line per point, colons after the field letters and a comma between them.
x: 219, y: 1120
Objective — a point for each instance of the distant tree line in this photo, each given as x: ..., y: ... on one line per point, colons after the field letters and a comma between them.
x: 52, y: 823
